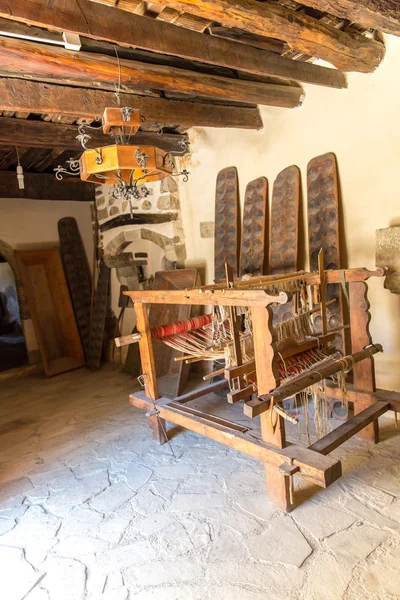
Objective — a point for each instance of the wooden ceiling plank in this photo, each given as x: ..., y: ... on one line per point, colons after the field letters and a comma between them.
x: 106, y: 23
x: 372, y: 14
x: 48, y: 161
x: 42, y: 61
x: 348, y: 51
x: 39, y: 134
x: 43, y: 186
x: 42, y: 98
x: 10, y: 160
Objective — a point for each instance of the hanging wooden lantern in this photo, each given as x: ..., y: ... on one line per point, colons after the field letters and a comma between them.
x: 144, y: 163
x: 116, y: 118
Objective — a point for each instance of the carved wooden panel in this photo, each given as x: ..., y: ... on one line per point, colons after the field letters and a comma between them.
x: 226, y: 222
x: 254, y: 227
x: 284, y: 225
x: 323, y: 231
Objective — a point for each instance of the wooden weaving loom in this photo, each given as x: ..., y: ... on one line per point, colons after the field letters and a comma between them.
x: 257, y: 295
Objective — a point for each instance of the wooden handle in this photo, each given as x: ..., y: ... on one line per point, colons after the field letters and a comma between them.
x: 125, y: 340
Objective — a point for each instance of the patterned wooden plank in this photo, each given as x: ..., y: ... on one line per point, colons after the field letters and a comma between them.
x: 226, y: 222
x: 284, y: 225
x: 323, y: 232
x: 254, y: 226
x: 78, y: 276
x: 98, y: 321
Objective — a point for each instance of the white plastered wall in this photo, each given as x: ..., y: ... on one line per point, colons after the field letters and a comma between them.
x: 361, y: 126
x: 28, y: 224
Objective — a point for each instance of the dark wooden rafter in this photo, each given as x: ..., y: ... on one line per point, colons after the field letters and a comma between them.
x: 37, y: 97
x: 40, y: 134
x: 383, y: 15
x: 106, y: 23
x: 42, y: 186
x: 348, y: 51
x: 50, y: 63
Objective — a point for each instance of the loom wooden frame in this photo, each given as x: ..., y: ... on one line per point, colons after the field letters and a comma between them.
x: 281, y: 459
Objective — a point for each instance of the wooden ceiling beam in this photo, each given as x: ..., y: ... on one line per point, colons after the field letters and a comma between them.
x: 43, y: 186
x: 41, y: 134
x: 372, y: 14
x: 51, y: 63
x: 110, y: 24
x: 37, y: 97
x: 348, y: 51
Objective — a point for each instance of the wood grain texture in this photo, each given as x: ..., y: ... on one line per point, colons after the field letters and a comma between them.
x: 347, y: 51
x: 323, y: 233
x: 50, y: 306
x: 353, y: 426
x: 42, y: 186
x: 278, y: 485
x: 54, y: 64
x: 41, y: 134
x: 284, y: 226
x: 38, y: 97
x: 383, y: 15
x: 108, y: 24
x: 208, y: 298
x: 321, y: 470
x: 364, y: 372
x: 255, y: 213
x: 226, y: 241
x: 146, y: 351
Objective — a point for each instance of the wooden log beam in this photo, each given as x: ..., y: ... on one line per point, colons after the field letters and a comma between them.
x: 373, y: 14
x: 224, y: 297
x: 37, y: 97
x: 105, y: 23
x: 42, y: 186
x: 321, y: 470
x: 51, y: 63
x: 346, y: 50
x: 43, y: 134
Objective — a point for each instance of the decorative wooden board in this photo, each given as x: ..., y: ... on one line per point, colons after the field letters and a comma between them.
x: 253, y: 230
x: 161, y: 314
x: 226, y: 222
x: 284, y: 225
x: 98, y: 320
x: 51, y: 309
x: 77, y: 272
x: 323, y: 232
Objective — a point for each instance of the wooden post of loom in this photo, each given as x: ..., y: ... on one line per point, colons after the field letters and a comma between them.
x: 364, y: 372
x: 272, y: 424
x: 157, y: 425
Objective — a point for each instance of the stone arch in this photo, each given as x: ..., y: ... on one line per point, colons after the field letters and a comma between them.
x: 9, y: 254
x: 173, y: 247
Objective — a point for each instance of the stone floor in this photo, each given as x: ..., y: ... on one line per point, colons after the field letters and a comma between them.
x: 91, y: 508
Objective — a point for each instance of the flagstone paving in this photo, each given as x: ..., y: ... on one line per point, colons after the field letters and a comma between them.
x: 92, y: 509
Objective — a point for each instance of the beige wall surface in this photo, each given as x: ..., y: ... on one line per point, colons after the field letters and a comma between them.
x: 33, y: 223
x: 361, y: 126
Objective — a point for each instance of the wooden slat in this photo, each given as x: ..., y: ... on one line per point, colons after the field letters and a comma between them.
x: 374, y: 14
x: 346, y: 50
x: 226, y: 298
x: 355, y: 395
x: 146, y: 352
x: 39, y: 134
x: 51, y: 63
x: 321, y: 470
x: 41, y: 186
x: 108, y: 24
x: 354, y: 425
x: 37, y: 97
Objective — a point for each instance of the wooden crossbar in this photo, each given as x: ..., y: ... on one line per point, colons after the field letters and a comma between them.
x: 321, y: 470
x: 345, y: 431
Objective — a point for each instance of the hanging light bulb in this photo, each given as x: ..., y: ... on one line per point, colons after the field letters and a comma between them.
x: 20, y: 173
